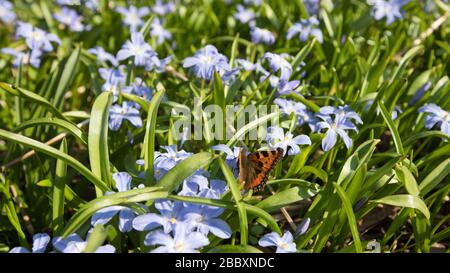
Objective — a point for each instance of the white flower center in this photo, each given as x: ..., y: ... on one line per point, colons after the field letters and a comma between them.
x: 206, y: 59
x: 134, y: 18
x: 179, y: 247
x: 284, y: 245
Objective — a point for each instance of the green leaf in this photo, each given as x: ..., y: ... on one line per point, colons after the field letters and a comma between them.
x: 58, y: 192
x: 67, y: 76
x: 392, y: 128
x: 405, y: 200
x: 234, y: 188
x: 282, y: 199
x: 44, y: 148
x: 17, y: 91
x: 405, y: 175
x: 147, y: 26
x: 115, y: 199
x: 303, y: 53
x: 435, y: 177
x: 184, y: 169
x: 67, y: 126
x: 235, y: 249
x: 250, y: 126
x: 98, y: 138
x: 398, y: 73
x: 351, y: 217
x: 149, y: 138
x: 96, y: 239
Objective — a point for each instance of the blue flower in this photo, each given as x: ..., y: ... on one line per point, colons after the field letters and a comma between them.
x: 278, y: 63
x: 118, y: 113
x: 245, y: 16
x: 299, y: 109
x: 391, y: 9
x: 70, y: 19
x: 7, y: 14
x: 169, y: 159
x: 133, y: 16
x: 232, y: 155
x: 126, y: 215
x: 155, y: 64
x: 283, y: 244
x: 343, y: 111
x: 158, y: 31
x: 419, y: 93
x: 103, y: 56
x: 206, y: 61
x: 162, y: 9
x: 36, y: 38
x: 33, y: 57
x: 335, y: 127
x: 139, y: 88
x: 277, y: 139
x: 114, y: 80
x: 306, y: 28
x: 436, y: 116
x: 184, y: 240
x: 253, y: 2
x: 262, y: 35
x: 205, y: 219
x: 312, y: 6
x: 171, y: 213
x: 287, y: 87
x: 138, y: 48
x: 394, y: 113
x: 74, y: 244
x: 193, y: 185
x: 40, y: 242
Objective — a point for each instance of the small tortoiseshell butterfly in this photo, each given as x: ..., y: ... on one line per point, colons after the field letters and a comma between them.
x: 254, y: 168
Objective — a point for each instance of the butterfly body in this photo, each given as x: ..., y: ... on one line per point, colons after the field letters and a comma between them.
x: 254, y: 169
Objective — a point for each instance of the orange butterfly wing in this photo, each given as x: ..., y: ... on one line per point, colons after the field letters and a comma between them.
x: 255, y: 168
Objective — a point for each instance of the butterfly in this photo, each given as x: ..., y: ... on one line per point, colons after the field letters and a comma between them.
x: 254, y: 168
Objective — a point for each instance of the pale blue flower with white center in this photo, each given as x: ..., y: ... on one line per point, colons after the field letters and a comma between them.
x: 183, y: 240
x: 170, y: 214
x: 126, y: 215
x: 40, y: 242
x: 246, y: 65
x: 299, y: 109
x: 335, y: 127
x: 306, y: 28
x: 436, y: 116
x: 276, y: 138
x: 278, y: 63
x: 171, y: 157
x: 155, y: 64
x: 119, y: 113
x: 302, y: 227
x: 287, y: 87
x: 137, y: 48
x: 74, y: 244
x: 133, y: 16
x: 343, y: 111
x: 245, y: 16
x: 157, y: 30
x: 262, y: 36
x: 103, y: 56
x: 283, y: 244
x: 70, y: 19
x: 7, y: 14
x: 139, y: 88
x: 32, y: 57
x: 206, y: 61
x: 162, y: 8
x: 205, y: 219
x: 36, y: 38
x: 194, y: 184
x: 390, y: 9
